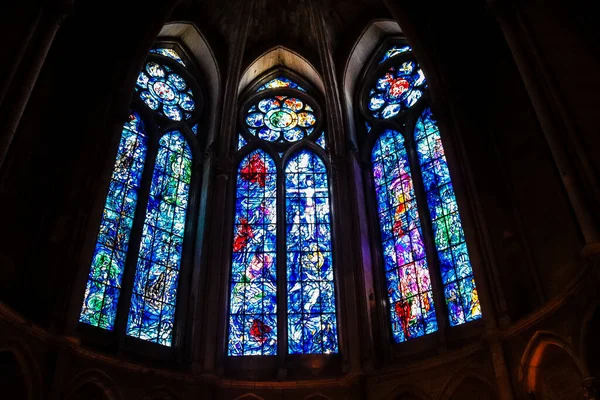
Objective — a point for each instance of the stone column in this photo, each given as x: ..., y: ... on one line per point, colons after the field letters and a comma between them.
x: 527, y: 59
x: 215, y: 333
x: 343, y: 200
x: 16, y: 60
x: 591, y: 389
x: 49, y: 23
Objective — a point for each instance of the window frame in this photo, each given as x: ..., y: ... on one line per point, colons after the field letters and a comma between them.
x: 405, y: 123
x: 156, y: 126
x: 269, y: 365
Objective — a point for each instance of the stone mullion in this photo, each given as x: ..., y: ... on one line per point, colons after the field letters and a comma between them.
x: 218, y: 260
x: 343, y: 223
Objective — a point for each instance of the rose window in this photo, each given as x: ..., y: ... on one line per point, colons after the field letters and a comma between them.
x: 165, y: 92
x: 398, y: 89
x: 281, y: 118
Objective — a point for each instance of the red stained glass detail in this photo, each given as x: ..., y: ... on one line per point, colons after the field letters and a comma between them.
x: 260, y: 331
x: 255, y: 170
x: 244, y: 234
x: 403, y: 311
x: 398, y: 87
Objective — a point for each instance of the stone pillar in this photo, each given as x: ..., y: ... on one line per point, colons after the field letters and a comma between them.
x: 343, y: 200
x: 16, y: 60
x: 215, y: 333
x: 45, y: 31
x: 527, y: 59
x: 591, y: 389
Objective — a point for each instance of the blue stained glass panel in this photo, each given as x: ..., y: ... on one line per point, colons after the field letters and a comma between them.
x: 169, y: 53
x: 322, y: 142
x: 460, y: 291
x: 253, y: 290
x: 412, y: 311
x: 241, y: 142
x: 280, y: 82
x: 312, y: 322
x: 104, y: 281
x: 152, y: 312
x: 394, y: 51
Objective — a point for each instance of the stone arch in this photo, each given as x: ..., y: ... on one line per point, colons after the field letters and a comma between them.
x: 93, y: 377
x: 317, y: 396
x: 280, y: 56
x: 542, y: 345
x: 369, y: 40
x: 589, y: 348
x: 406, y: 392
x: 191, y: 37
x: 249, y: 396
x: 469, y: 381
x: 18, y: 353
x: 161, y: 393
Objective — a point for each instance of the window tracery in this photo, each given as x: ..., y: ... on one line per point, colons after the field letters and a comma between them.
x: 282, y: 232
x: 146, y: 212
x: 420, y: 226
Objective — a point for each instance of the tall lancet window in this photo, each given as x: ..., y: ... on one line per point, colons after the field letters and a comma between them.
x: 144, y: 233
x: 282, y: 286
x: 424, y: 256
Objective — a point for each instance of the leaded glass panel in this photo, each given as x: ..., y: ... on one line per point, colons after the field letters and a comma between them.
x: 108, y: 263
x: 152, y: 312
x: 410, y: 295
x: 312, y: 323
x: 253, y: 295
x: 456, y: 271
x: 280, y: 82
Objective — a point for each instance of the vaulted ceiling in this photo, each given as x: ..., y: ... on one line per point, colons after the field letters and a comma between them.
x: 281, y: 22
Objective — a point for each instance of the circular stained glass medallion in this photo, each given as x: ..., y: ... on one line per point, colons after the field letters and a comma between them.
x: 165, y: 92
x: 280, y: 118
x: 397, y: 89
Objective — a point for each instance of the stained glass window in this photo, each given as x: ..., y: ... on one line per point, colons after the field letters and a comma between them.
x: 456, y: 271
x: 152, y: 312
x: 281, y: 118
x: 407, y: 274
x: 393, y: 95
x: 398, y: 88
x: 279, y: 123
x: 106, y: 272
x: 165, y: 91
x: 312, y: 324
x: 253, y: 296
x: 169, y: 53
x: 160, y: 230
x: 280, y: 82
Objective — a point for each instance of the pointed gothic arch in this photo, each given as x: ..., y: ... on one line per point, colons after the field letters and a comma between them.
x: 281, y: 122
x: 87, y: 379
x: 283, y: 58
x: 144, y: 247
x: 533, y: 355
x: 421, y: 245
x: 18, y: 355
